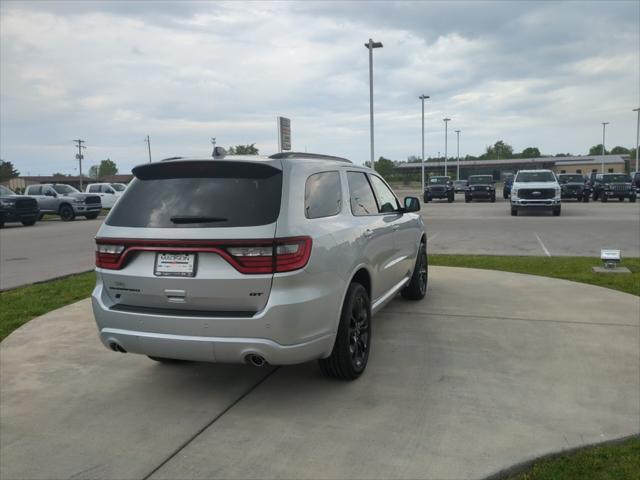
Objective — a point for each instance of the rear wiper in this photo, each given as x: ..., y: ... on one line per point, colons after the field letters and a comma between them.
x: 180, y: 219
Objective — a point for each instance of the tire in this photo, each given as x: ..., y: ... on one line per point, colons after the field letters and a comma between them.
x: 504, y: 195
x: 416, y: 289
x: 585, y: 199
x: 621, y: 199
x: 632, y: 199
x: 1, y: 224
x: 557, y: 211
x: 91, y: 216
x: 493, y: 199
x: 350, y: 352
x: 467, y: 199
x: 514, y: 212
x: 579, y: 198
x: 66, y: 213
x: 425, y: 198
x: 29, y: 223
x: 450, y: 198
x: 604, y: 199
x: 41, y: 216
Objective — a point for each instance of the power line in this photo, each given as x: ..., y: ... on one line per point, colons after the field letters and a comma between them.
x: 80, y: 156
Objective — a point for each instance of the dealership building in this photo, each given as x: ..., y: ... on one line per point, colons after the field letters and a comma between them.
x: 584, y: 165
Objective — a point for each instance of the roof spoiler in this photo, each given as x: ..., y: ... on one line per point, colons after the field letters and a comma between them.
x: 314, y: 156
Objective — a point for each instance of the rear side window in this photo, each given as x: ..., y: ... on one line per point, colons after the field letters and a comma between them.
x: 94, y: 189
x: 362, y: 200
x: 35, y: 190
x: 322, y: 195
x: 200, y: 194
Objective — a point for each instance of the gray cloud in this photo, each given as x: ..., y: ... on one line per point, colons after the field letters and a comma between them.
x: 531, y: 73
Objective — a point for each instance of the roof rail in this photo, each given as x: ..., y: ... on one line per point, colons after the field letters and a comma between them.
x: 308, y: 155
x: 170, y: 158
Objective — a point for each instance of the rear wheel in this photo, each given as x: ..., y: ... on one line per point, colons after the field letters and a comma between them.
x: 467, y: 199
x: 350, y: 352
x: 621, y: 199
x: 585, y: 198
x: 632, y: 198
x: 425, y: 198
x: 493, y: 198
x: 66, y: 213
x: 416, y: 289
x: 451, y: 197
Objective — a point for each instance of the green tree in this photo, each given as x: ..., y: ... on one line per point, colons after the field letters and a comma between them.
x: 618, y: 150
x: 530, y: 152
x: 499, y: 150
x: 105, y: 168
x: 385, y: 167
x: 58, y: 174
x: 413, y: 159
x: 7, y: 171
x: 597, y: 150
x: 243, y: 150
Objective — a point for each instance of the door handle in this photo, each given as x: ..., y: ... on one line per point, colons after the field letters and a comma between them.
x: 368, y: 232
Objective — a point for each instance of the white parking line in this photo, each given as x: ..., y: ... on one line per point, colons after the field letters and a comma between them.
x: 542, y: 245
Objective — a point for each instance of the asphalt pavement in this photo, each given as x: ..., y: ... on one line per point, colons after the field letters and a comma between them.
x: 458, y: 386
x: 53, y: 248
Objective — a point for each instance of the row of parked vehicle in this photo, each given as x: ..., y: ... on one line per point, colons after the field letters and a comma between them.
x: 57, y: 199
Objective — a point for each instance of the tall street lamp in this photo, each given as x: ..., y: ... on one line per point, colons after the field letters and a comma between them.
x: 423, y: 98
x: 370, y: 45
x: 446, y: 137
x: 458, y: 155
x: 604, y: 124
x: 637, y: 136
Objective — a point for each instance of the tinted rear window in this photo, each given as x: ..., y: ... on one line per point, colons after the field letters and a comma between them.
x: 200, y: 194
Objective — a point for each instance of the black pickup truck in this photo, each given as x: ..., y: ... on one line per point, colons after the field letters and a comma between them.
x: 17, y: 208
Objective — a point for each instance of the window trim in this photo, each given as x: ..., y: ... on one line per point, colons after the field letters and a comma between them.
x: 340, y: 199
x: 375, y: 194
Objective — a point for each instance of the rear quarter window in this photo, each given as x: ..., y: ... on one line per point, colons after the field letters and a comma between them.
x: 192, y: 194
x: 322, y: 195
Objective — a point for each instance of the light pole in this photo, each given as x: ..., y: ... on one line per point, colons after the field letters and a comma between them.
x: 446, y: 137
x: 423, y: 98
x: 370, y: 45
x: 458, y: 155
x: 637, y: 135
x: 604, y: 124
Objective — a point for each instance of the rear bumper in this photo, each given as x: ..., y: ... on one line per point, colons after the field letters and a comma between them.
x: 296, y: 325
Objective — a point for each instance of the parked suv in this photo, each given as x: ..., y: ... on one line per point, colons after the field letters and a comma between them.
x: 614, y: 185
x: 535, y: 189
x: 108, y: 192
x: 17, y: 208
x: 574, y: 185
x: 65, y: 201
x: 439, y: 187
x: 635, y: 180
x: 279, y: 260
x: 481, y: 186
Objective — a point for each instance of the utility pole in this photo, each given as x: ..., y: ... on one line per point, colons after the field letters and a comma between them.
x: 446, y: 136
x: 423, y: 98
x: 370, y: 45
x: 637, y: 137
x: 148, y: 140
x: 79, y: 156
x: 604, y: 124
x: 458, y: 155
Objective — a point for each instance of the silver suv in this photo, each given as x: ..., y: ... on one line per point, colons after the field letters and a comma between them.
x: 265, y: 260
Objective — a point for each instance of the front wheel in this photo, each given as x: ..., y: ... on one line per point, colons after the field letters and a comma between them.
x: 29, y: 223
x: 556, y: 212
x: 603, y: 198
x: 585, y: 199
x: 451, y: 197
x: 416, y: 289
x: 350, y: 352
x: 425, y: 198
x: 514, y: 212
x: 632, y: 199
x: 493, y: 199
x: 66, y: 213
x: 91, y: 216
x: 467, y: 199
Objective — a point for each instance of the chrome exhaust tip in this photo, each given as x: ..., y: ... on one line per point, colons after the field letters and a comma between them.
x: 256, y: 360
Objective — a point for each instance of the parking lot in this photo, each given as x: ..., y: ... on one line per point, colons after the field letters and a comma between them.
x: 54, y: 248
x: 458, y: 386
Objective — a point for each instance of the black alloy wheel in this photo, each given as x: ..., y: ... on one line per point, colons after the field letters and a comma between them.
x: 66, y: 213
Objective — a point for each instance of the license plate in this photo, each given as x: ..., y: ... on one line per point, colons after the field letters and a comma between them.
x: 175, y: 265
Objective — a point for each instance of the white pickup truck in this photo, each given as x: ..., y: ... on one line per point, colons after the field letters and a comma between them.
x: 535, y: 190
x: 108, y: 192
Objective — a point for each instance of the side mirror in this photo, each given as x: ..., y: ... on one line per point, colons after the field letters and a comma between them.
x: 411, y: 204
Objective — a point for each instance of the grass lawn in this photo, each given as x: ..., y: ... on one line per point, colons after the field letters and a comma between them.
x: 619, y: 461
x: 22, y: 304
x: 577, y: 269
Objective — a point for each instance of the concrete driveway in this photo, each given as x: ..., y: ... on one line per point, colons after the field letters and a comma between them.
x: 492, y: 369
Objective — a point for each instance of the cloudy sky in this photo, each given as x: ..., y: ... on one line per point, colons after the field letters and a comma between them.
x: 539, y: 74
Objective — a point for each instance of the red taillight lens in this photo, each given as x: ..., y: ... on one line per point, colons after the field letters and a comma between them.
x: 249, y: 257
x: 108, y: 256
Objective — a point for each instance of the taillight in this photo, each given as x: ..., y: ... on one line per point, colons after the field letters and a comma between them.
x: 108, y: 256
x: 246, y: 256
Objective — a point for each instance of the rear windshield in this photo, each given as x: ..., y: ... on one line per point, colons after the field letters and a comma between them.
x: 480, y: 179
x: 200, y: 194
x: 570, y: 179
x: 535, y: 177
x: 621, y: 178
x: 439, y: 180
